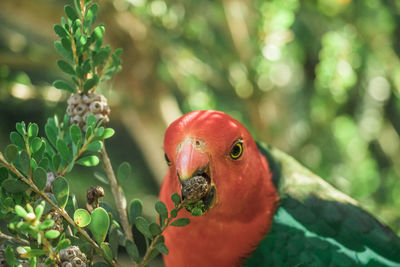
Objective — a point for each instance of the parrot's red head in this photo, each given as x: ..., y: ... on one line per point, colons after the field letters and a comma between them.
x: 215, y: 148
x: 212, y: 157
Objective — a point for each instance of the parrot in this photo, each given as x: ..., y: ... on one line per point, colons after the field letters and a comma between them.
x: 260, y: 207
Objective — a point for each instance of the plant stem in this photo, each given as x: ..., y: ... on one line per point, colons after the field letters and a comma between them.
x: 58, y: 209
x: 14, y: 239
x: 116, y: 190
x: 117, y: 193
x: 156, y: 238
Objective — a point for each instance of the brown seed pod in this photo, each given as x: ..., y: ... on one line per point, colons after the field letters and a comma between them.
x: 94, y: 193
x: 195, y: 188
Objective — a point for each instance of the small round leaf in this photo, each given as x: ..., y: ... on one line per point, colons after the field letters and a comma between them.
x: 82, y: 217
x: 52, y: 234
x: 88, y: 161
x: 11, y: 153
x: 99, y: 225
x: 180, y: 222
x: 61, y: 191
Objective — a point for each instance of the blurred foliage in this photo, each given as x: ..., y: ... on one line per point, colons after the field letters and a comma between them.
x: 319, y: 79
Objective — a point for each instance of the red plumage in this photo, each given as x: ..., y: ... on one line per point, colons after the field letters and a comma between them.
x: 245, y: 198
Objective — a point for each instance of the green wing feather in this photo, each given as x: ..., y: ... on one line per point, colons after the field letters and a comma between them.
x: 316, y: 225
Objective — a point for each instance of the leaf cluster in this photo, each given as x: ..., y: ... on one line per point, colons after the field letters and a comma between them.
x: 86, y: 60
x: 37, y: 227
x: 152, y: 231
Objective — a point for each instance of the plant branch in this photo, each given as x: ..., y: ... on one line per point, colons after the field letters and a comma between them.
x: 63, y: 213
x: 157, y: 237
x: 14, y: 239
x: 117, y: 193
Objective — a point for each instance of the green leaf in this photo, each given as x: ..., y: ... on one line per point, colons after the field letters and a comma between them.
x: 47, y: 223
x: 132, y: 250
x: 62, y: 51
x: 62, y: 85
x: 77, y: 6
x: 61, y: 191
x: 76, y: 134
x: 98, y: 33
x: 99, y: 132
x: 51, y: 133
x: 70, y: 12
x: 176, y: 198
x: 94, y: 146
x: 60, y: 31
x: 33, y: 130
x: 196, y: 212
x: 9, y: 256
x: 162, y: 211
x: 14, y: 186
x: 91, y: 121
x: 91, y: 14
x: 180, y: 222
x: 113, y: 238
x: 17, y: 140
x: 44, y: 163
x: 162, y: 248
x: 100, y: 57
x: 108, y: 255
x: 24, y: 161
x: 11, y: 153
x: 99, y: 225
x: 20, y: 211
x: 143, y: 226
x: 56, y: 162
x: 33, y: 163
x: 40, y: 178
x: 108, y: 132
x: 3, y: 173
x: 124, y: 170
x: 135, y: 210
x: 62, y: 244
x: 101, y: 177
x: 82, y: 217
x: 90, y: 83
x: 88, y: 161
x: 155, y: 229
x: 36, y: 144
x: 63, y: 149
x: 35, y: 253
x: 39, y: 210
x: 20, y: 126
x: 65, y: 67
x: 52, y: 234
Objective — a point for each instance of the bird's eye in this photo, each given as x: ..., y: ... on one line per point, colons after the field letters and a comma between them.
x: 237, y: 150
x: 167, y: 159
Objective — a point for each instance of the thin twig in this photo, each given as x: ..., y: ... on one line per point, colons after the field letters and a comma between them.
x: 14, y: 239
x: 58, y: 209
x: 117, y: 194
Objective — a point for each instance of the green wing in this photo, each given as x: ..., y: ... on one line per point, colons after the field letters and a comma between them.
x: 316, y: 225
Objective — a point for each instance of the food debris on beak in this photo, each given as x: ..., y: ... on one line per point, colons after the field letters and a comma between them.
x: 195, y: 188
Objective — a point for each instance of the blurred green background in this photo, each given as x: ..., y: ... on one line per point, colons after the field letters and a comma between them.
x: 319, y: 79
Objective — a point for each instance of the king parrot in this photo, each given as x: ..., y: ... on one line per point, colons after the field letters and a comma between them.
x: 261, y: 207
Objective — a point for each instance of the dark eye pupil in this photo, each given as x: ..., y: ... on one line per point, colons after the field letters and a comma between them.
x: 236, y: 150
